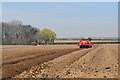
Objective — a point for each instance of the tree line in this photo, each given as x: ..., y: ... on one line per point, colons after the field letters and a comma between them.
x: 15, y: 32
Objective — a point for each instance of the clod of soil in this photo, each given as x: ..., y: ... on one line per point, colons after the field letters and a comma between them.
x: 96, y: 71
x: 68, y: 72
x: 105, y: 76
x: 107, y: 68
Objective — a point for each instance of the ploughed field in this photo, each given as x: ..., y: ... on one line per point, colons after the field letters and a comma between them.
x: 60, y: 61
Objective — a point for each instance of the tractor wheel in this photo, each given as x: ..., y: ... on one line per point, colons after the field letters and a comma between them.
x: 80, y: 46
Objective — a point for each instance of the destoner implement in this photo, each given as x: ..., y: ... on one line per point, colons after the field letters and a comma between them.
x: 85, y: 44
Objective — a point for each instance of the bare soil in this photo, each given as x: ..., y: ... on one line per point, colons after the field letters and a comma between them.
x: 61, y: 61
x: 18, y: 58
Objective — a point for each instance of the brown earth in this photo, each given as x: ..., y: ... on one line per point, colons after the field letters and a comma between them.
x: 60, y: 61
x: 18, y: 58
x: 101, y: 61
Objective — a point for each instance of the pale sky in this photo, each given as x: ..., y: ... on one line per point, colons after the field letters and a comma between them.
x: 66, y: 19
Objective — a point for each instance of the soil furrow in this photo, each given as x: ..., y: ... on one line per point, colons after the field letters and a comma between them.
x: 15, y: 66
x: 54, y: 66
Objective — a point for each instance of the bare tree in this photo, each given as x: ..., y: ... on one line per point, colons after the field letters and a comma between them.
x: 17, y: 34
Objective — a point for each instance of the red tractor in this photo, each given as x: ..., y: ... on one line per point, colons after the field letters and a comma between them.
x: 34, y: 43
x: 85, y: 44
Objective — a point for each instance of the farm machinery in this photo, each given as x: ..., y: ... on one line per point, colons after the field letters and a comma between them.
x: 34, y: 43
x: 85, y: 44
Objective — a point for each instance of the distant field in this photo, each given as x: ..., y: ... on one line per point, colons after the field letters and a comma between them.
x: 68, y: 41
x: 93, y: 38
